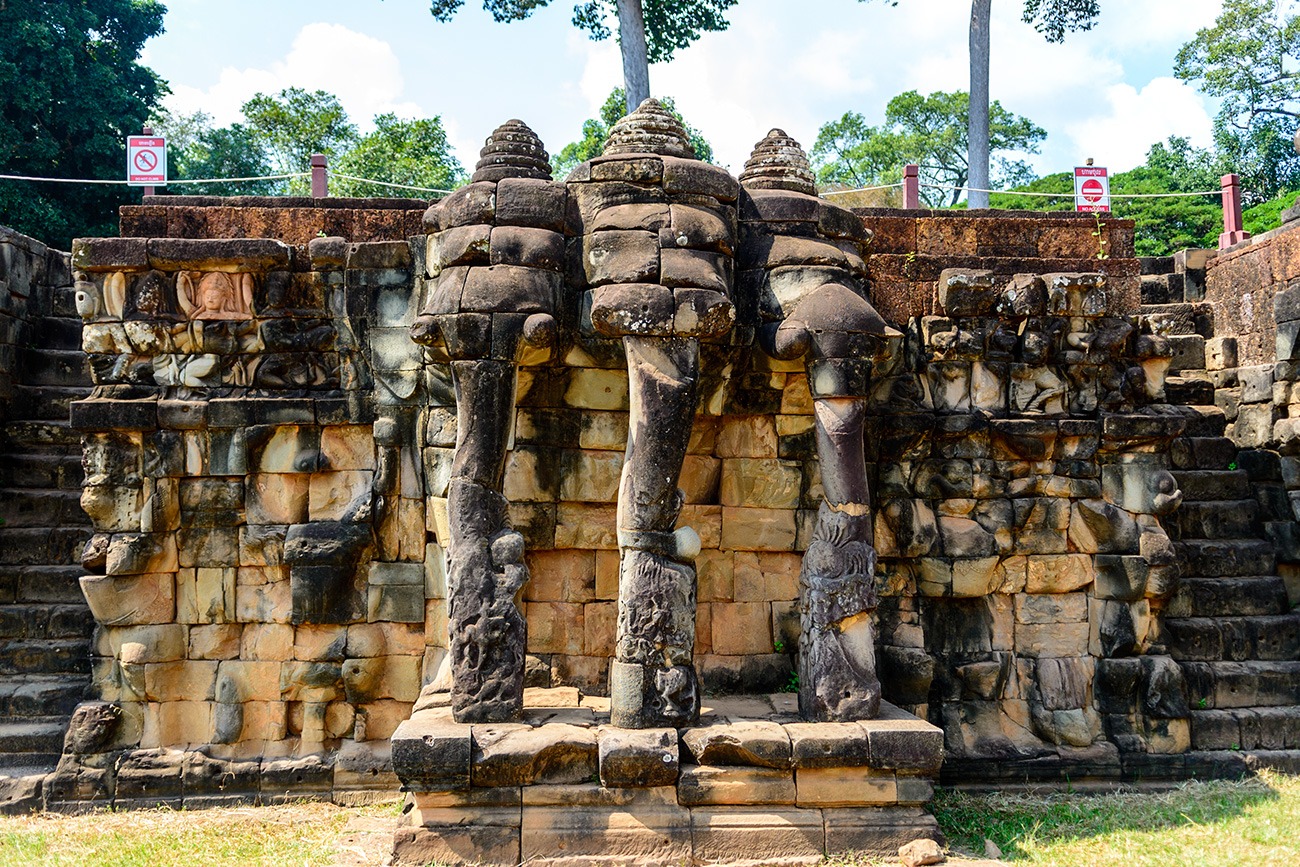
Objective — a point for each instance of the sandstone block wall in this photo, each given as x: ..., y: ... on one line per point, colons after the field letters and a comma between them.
x: 268, y: 453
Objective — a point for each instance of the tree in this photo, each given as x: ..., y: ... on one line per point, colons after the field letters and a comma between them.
x: 195, y: 150
x: 930, y: 131
x: 1250, y: 59
x: 1052, y: 18
x: 650, y: 31
x: 295, y: 124
x: 595, y: 131
x: 411, y: 152
x: 71, y: 90
x: 1162, y: 225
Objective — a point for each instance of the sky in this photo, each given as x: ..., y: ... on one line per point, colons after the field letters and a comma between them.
x: 1108, y: 94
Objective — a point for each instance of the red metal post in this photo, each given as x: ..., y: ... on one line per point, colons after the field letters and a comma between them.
x: 319, y: 176
x: 1233, y: 231
x: 145, y: 130
x: 911, y: 186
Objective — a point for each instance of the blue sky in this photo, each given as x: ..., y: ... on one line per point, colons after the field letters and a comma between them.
x: 1107, y: 94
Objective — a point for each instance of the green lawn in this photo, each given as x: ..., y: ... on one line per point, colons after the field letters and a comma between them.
x: 1255, y: 821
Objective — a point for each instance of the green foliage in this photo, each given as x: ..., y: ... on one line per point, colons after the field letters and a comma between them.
x: 1250, y: 59
x: 294, y: 124
x: 670, y: 25
x: 71, y: 90
x: 1162, y: 225
x: 412, y: 152
x: 1268, y: 215
x: 1053, y: 18
x: 931, y: 131
x: 195, y: 149
x: 596, y: 130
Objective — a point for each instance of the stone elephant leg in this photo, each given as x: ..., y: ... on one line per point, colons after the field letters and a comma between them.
x: 486, y: 557
x: 652, y: 680
x: 837, y: 654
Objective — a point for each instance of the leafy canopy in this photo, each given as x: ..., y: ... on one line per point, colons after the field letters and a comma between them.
x: 1162, y: 225
x: 71, y: 90
x: 670, y: 24
x: 399, y: 151
x: 596, y: 130
x: 1250, y: 59
x: 294, y: 124
x: 930, y: 131
x: 411, y: 152
x: 1053, y: 18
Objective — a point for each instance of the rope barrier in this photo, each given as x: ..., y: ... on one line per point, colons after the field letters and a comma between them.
x: 342, y: 176
x: 863, y: 190
x: 1070, y: 195
x: 169, y: 183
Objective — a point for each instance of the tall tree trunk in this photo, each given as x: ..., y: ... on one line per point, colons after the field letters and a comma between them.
x: 636, y: 63
x: 978, y: 130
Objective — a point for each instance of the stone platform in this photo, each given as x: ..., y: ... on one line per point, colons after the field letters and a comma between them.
x: 750, y: 784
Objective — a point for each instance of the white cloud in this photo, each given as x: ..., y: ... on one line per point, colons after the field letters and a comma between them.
x: 1133, y: 120
x: 364, y: 72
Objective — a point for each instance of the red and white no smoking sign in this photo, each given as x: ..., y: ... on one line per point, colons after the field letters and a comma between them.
x: 146, y: 161
x: 1091, y: 189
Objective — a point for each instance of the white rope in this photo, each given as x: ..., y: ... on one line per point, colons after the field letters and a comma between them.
x: 387, y: 184
x: 863, y: 190
x: 1071, y: 195
x: 169, y: 183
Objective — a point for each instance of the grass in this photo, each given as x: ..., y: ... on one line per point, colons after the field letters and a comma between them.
x: 1254, y: 821
x: 283, y: 836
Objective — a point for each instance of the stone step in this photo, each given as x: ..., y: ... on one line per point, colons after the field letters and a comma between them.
x: 1238, y: 639
x: 41, y: 471
x: 59, y: 333
x: 1222, y: 685
x: 33, y: 739
x: 46, y: 402
x: 1205, y: 421
x: 1251, y: 728
x: 42, y: 695
x: 1203, y: 453
x: 21, y: 507
x: 1224, y: 558
x: 45, y: 656
x: 1213, y: 485
x: 48, y: 436
x: 1229, y: 597
x: 33, y: 620
x: 1180, y: 318
x: 1189, y: 391
x: 56, y: 367
x: 53, y: 585
x: 1216, y: 519
x: 36, y: 546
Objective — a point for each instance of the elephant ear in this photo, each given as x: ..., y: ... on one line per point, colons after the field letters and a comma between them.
x: 185, y: 294
x: 115, y: 294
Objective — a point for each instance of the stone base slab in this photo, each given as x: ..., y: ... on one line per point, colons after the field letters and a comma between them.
x: 751, y: 784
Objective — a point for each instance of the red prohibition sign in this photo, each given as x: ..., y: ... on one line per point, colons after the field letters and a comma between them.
x: 146, y: 161
x: 1092, y: 190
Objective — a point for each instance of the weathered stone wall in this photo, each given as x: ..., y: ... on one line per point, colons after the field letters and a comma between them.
x: 267, y: 453
x: 1241, y: 284
x: 911, y: 248
x: 293, y: 220
x: 30, y: 272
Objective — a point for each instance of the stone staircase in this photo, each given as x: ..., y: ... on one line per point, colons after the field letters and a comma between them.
x: 1230, y: 625
x: 45, y: 626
